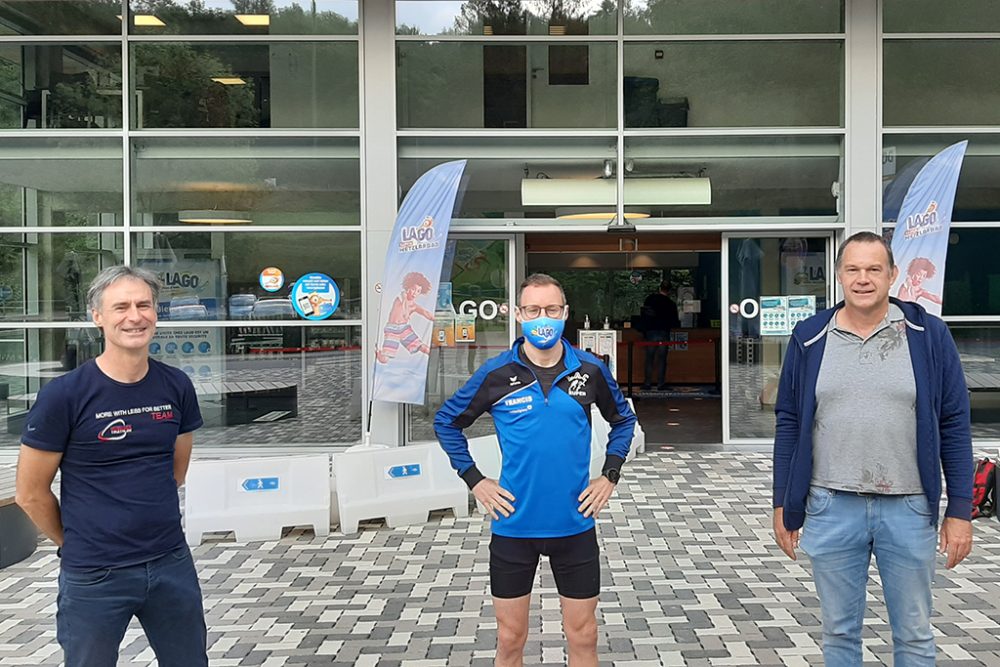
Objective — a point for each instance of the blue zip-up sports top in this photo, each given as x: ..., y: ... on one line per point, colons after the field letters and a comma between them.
x: 544, y: 439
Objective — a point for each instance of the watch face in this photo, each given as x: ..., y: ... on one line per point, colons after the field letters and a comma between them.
x: 612, y: 475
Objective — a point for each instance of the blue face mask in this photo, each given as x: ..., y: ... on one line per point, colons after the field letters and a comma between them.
x: 543, y: 332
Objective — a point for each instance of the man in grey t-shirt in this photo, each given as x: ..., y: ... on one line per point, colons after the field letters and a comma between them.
x: 871, y: 407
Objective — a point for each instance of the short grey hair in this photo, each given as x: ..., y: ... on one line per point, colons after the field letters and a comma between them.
x: 112, y: 274
x: 864, y: 237
x: 540, y: 280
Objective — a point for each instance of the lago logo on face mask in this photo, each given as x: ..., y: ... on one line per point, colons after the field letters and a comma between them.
x: 543, y: 332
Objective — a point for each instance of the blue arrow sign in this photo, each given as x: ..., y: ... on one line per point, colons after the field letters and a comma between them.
x: 260, y: 484
x: 397, y: 472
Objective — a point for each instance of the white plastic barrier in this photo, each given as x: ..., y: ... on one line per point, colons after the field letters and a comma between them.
x: 256, y: 498
x: 401, y: 484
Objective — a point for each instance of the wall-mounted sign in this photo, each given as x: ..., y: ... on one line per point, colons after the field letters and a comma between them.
x: 774, y: 316
x: 272, y: 279
x: 315, y: 296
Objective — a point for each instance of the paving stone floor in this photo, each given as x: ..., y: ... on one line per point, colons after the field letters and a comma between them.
x: 691, y: 578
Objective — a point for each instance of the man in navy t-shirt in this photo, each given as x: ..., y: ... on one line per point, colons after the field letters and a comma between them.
x: 120, y: 430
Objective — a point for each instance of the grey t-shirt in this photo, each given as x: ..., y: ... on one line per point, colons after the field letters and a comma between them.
x: 865, y: 429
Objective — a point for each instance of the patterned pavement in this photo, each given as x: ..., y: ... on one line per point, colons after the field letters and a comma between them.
x: 691, y: 578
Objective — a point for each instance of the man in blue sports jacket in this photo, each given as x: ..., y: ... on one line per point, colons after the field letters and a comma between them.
x: 871, y: 406
x: 539, y: 394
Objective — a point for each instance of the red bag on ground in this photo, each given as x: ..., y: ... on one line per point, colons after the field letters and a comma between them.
x: 984, y: 488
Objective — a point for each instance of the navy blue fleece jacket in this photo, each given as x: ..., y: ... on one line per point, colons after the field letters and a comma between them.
x: 944, y: 439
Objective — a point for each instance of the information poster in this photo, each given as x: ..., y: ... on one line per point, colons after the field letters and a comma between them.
x: 195, y: 351
x: 800, y: 308
x: 774, y: 316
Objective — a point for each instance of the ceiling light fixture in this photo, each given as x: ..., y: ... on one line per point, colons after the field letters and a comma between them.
x: 254, y: 20
x: 147, y: 21
x: 602, y: 192
x: 214, y: 217
x: 229, y: 80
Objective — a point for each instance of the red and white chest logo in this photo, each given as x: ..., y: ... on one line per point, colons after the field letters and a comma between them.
x: 116, y: 430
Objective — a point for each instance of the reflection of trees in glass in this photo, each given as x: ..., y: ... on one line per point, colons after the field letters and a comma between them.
x: 178, y: 90
x: 195, y: 18
x: 611, y: 293
x: 61, y: 17
x: 519, y: 17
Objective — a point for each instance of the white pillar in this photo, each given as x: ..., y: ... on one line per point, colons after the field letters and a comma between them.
x: 378, y: 76
x: 862, y: 191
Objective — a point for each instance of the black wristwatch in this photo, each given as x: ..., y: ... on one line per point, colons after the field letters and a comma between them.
x: 612, y: 475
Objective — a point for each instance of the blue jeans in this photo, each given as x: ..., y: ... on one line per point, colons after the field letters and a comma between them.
x: 95, y: 607
x: 841, y: 532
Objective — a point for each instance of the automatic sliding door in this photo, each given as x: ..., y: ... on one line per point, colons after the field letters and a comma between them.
x: 772, y: 282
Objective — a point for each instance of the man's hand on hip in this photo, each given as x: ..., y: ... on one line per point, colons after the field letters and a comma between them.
x: 595, y: 496
x: 494, y: 497
x: 956, y: 540
x: 788, y: 540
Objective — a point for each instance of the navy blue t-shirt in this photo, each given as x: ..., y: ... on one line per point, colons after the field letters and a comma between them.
x: 118, y: 494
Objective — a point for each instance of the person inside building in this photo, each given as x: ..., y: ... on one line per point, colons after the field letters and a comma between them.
x: 659, y: 317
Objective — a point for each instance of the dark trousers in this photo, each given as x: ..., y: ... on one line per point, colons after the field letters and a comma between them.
x: 656, y: 354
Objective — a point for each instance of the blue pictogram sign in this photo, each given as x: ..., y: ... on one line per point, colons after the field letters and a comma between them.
x: 397, y: 472
x: 260, y: 484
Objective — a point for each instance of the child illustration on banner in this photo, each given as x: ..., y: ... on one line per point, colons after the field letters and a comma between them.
x: 399, y: 328
x: 912, y: 289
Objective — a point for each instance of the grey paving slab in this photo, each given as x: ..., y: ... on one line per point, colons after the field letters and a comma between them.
x: 691, y: 577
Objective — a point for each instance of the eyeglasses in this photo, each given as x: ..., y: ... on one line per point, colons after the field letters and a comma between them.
x: 531, y: 312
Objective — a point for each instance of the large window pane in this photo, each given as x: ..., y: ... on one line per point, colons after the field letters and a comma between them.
x: 499, y: 170
x: 940, y: 82
x: 734, y: 84
x: 978, y: 346
x: 937, y: 16
x: 29, y: 358
x: 256, y: 386
x: 263, y: 181
x: 718, y: 17
x: 272, y: 386
x: 301, y: 84
x: 44, y: 277
x: 217, y: 275
x: 60, y: 17
x: 978, y: 196
x: 507, y: 17
x: 971, y: 275
x: 60, y: 86
x: 732, y: 176
x: 60, y: 182
x: 505, y: 85
x: 222, y: 17
x: 478, y: 317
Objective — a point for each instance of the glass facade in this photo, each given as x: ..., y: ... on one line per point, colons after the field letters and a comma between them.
x: 216, y: 142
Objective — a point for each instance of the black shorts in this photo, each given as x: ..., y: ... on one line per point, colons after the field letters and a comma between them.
x: 575, y: 562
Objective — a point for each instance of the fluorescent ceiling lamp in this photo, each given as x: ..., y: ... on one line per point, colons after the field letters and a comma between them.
x: 229, y: 80
x: 214, y: 217
x: 254, y: 20
x: 602, y: 191
x: 148, y: 21
x: 596, y: 215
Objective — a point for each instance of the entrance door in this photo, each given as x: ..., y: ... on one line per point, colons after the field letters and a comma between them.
x: 769, y: 283
x: 473, y: 322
